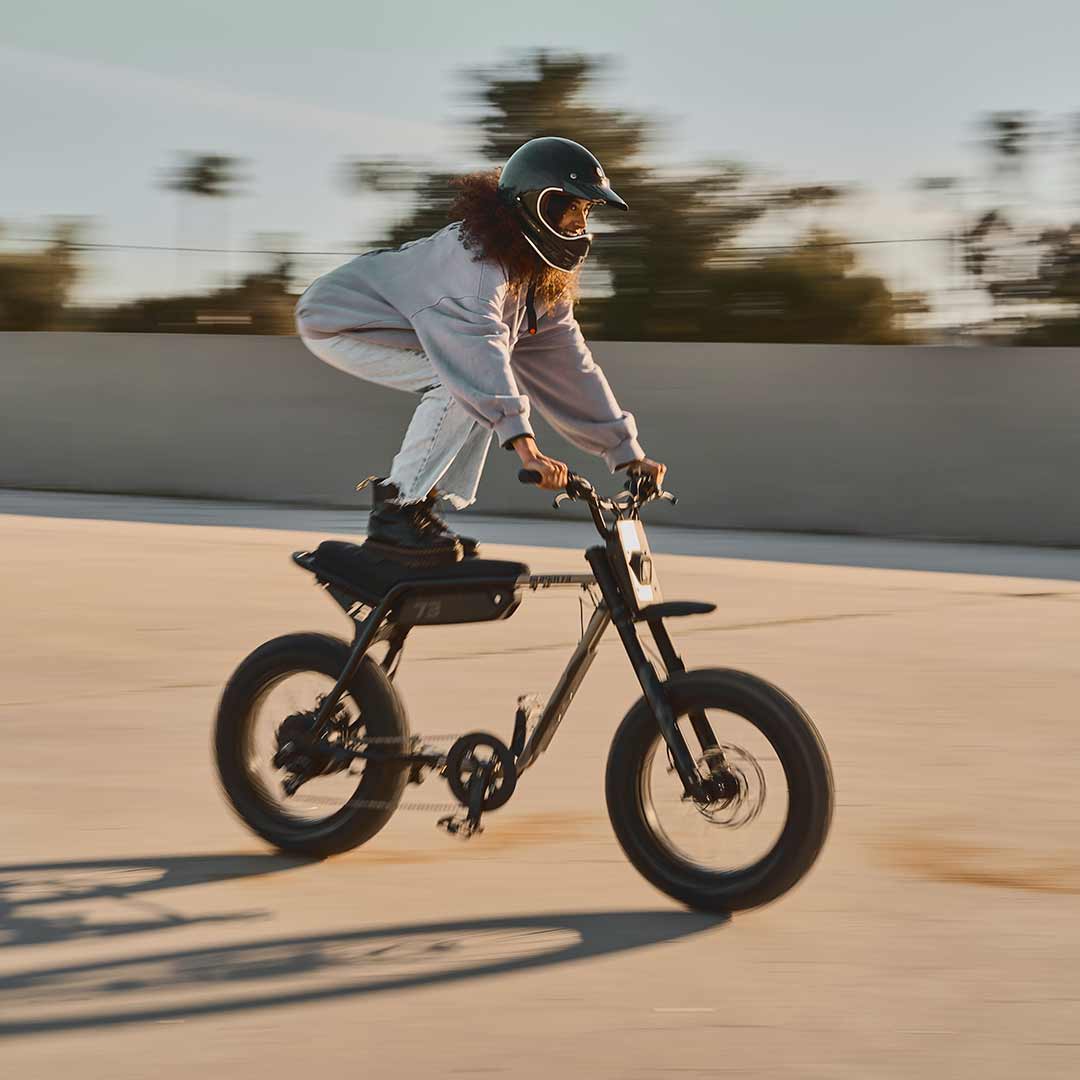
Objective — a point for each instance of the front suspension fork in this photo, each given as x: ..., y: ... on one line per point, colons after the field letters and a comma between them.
x: 673, y: 662
x: 651, y: 684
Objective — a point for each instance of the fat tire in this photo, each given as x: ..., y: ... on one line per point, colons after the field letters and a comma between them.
x: 809, y: 780
x: 383, y: 715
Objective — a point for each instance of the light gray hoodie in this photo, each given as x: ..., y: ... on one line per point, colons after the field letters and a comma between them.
x: 432, y: 294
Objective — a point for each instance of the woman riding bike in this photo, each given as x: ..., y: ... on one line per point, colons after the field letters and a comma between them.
x: 478, y: 319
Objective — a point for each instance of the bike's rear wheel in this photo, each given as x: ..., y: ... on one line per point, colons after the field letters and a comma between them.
x: 331, y: 812
x: 757, y: 841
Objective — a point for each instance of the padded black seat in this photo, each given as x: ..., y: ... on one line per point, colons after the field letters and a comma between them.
x: 373, y: 575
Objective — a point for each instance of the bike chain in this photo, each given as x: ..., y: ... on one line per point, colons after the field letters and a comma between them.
x: 416, y: 742
x: 386, y: 804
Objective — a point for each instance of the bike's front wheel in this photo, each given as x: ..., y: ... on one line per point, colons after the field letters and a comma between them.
x: 769, y: 784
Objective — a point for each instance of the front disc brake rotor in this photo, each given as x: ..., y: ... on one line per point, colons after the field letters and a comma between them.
x: 739, y: 783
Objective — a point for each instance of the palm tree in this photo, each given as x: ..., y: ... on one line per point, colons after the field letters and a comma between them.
x: 1010, y: 138
x: 206, y: 176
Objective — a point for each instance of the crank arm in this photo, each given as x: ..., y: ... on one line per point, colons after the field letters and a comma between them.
x: 477, y: 789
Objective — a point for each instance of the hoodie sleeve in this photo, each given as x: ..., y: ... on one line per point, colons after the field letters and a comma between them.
x: 467, y: 341
x: 557, y: 370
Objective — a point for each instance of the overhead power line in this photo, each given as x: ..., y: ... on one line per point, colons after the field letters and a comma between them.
x: 280, y: 251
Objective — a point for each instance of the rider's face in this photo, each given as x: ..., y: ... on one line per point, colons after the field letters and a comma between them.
x: 575, y: 218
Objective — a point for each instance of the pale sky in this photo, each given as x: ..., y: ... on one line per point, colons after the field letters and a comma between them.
x: 97, y: 99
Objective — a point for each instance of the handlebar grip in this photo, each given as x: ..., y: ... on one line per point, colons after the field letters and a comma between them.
x: 529, y: 476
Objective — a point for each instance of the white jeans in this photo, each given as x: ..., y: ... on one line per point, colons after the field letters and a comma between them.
x: 444, y: 446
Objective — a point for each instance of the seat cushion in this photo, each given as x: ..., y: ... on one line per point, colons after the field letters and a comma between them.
x: 375, y: 575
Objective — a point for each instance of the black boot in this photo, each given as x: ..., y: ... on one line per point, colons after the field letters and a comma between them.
x: 470, y: 548
x: 405, y: 530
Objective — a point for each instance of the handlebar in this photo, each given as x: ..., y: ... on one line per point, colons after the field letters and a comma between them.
x: 639, y: 489
x: 577, y: 487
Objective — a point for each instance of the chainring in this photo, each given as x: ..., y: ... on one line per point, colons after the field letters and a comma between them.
x: 467, y: 755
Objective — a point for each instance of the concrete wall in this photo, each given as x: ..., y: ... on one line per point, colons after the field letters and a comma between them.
x: 963, y: 443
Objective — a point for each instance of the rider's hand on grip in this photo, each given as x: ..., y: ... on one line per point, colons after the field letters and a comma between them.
x: 552, y: 472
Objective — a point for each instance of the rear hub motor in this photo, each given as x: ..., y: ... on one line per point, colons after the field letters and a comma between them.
x: 303, y: 755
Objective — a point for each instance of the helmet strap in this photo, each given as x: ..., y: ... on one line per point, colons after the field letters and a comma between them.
x: 530, y: 304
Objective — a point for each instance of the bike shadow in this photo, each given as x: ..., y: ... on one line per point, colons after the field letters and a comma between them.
x: 273, y: 972
x: 29, y: 893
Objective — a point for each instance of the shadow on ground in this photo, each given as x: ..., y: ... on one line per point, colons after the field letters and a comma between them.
x: 268, y: 973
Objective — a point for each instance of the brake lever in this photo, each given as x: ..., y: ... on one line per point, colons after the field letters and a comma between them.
x: 643, y: 487
x: 560, y: 499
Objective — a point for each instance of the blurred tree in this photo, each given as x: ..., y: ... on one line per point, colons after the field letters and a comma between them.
x: 665, y: 263
x: 211, y: 176
x: 947, y: 192
x: 807, y: 293
x: 35, y: 287
x: 262, y: 303
x: 280, y: 247
x: 1029, y: 270
x: 1072, y: 151
x: 206, y: 176
x: 1009, y: 137
x: 1055, y: 286
x: 379, y: 174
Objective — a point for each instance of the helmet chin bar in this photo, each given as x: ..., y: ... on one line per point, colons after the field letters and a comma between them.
x: 556, y: 266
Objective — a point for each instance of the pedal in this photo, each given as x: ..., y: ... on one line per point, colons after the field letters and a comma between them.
x: 461, y: 827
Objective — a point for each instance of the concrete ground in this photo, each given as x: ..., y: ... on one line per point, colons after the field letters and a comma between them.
x: 145, y: 932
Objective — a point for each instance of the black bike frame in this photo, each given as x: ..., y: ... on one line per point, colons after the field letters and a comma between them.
x: 572, y: 677
x: 614, y: 607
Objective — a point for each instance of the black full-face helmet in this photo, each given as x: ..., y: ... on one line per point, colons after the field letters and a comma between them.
x: 539, y: 182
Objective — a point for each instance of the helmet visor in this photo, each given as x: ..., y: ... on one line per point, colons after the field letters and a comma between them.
x: 596, y: 191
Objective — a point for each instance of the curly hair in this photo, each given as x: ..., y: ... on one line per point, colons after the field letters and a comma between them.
x: 491, y: 229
